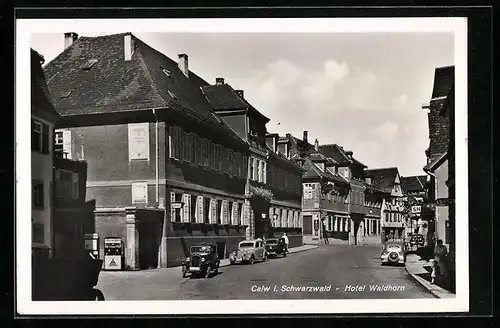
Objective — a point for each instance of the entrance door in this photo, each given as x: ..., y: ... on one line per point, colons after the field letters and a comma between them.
x: 307, y: 228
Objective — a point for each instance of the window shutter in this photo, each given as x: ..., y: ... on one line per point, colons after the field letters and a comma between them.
x: 45, y: 139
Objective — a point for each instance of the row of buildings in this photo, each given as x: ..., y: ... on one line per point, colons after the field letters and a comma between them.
x: 173, y: 160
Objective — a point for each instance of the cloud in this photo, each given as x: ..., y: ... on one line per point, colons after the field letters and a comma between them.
x: 386, y: 131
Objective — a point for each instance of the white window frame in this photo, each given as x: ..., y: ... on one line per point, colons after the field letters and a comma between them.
x: 135, y: 197
x: 57, y: 141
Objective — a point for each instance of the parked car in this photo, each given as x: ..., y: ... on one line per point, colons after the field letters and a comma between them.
x: 393, y: 252
x: 416, y: 241
x: 249, y: 251
x: 202, y: 260
x: 275, y: 247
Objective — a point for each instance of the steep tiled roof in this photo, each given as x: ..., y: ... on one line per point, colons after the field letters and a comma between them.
x: 223, y: 97
x: 439, y: 133
x: 413, y: 183
x: 40, y: 95
x: 371, y: 187
x: 313, y: 172
x: 383, y: 178
x: 336, y: 152
x: 149, y: 80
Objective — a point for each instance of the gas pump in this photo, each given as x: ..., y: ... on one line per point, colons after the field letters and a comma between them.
x: 92, y: 245
x: 113, y: 253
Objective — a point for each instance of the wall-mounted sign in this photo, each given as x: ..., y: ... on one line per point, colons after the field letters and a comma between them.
x: 444, y: 202
x: 416, y: 209
x: 138, y: 141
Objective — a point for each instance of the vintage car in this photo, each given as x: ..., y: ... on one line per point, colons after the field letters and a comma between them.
x: 393, y: 252
x: 275, y: 247
x: 416, y: 241
x: 249, y: 251
x: 202, y: 260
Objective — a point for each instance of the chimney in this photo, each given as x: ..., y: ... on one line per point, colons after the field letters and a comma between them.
x: 240, y: 93
x: 69, y: 38
x: 305, y: 136
x: 316, y: 145
x: 219, y: 81
x: 183, y: 64
x: 368, y: 180
x: 128, y: 47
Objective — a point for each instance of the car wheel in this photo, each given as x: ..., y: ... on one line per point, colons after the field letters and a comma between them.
x: 231, y: 262
x: 252, y: 259
x: 208, y: 271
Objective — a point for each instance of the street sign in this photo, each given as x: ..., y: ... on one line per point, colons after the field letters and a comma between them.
x: 416, y: 209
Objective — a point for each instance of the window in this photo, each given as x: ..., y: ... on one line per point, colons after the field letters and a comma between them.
x: 171, y: 94
x: 38, y: 233
x: 206, y: 209
x: 250, y: 168
x: 219, y: 212
x: 264, y: 172
x: 194, y: 203
x: 88, y: 65
x: 58, y: 138
x: 166, y: 72
x: 64, y: 184
x: 39, y: 137
x: 37, y: 197
x: 139, y: 192
x: 257, y: 171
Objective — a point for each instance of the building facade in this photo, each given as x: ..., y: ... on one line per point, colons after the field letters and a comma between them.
x: 164, y: 170
x: 393, y: 221
x: 43, y: 119
x: 73, y: 215
x: 438, y: 153
x: 273, y: 183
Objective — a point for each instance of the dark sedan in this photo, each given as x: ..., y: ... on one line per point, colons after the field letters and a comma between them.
x: 275, y: 247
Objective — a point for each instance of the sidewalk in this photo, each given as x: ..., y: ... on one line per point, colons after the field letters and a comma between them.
x: 416, y: 268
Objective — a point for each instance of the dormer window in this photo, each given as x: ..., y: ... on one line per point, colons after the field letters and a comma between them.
x: 88, y: 65
x: 171, y: 94
x: 66, y: 94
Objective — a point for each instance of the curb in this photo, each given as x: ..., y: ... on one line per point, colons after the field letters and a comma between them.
x: 297, y: 251
x: 435, y: 290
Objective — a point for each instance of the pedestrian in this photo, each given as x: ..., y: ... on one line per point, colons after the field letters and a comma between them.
x: 440, y: 255
x: 435, y: 274
x: 285, y: 238
x: 325, y: 235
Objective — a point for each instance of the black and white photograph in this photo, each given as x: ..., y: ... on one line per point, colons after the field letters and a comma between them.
x: 242, y: 166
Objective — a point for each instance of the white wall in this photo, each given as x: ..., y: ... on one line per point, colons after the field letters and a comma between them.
x: 41, y: 169
x: 440, y: 181
x: 441, y: 217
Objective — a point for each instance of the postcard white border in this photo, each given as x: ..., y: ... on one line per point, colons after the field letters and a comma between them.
x: 24, y: 29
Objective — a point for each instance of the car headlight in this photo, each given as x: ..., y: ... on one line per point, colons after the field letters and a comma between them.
x: 187, y: 259
x: 202, y: 259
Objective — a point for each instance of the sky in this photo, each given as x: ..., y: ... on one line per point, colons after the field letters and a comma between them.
x: 362, y: 91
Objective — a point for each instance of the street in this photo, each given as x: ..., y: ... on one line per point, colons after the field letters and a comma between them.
x: 328, y: 272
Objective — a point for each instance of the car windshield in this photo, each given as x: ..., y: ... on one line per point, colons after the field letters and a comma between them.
x: 272, y: 241
x: 393, y: 247
x: 246, y: 245
x: 200, y: 249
